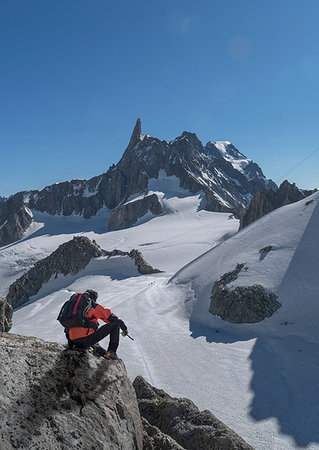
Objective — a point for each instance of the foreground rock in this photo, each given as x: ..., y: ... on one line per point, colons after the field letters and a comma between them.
x: 52, y: 398
x: 69, y: 258
x: 265, y: 202
x: 182, y: 420
x: 6, y: 312
x: 243, y: 304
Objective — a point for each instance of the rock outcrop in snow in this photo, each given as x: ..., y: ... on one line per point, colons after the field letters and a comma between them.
x: 181, y: 419
x: 69, y: 258
x: 265, y: 202
x: 6, y: 312
x: 227, y: 179
x: 127, y: 215
x: 244, y: 304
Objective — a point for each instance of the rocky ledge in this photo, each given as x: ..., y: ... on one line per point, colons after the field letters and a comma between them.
x: 53, y: 398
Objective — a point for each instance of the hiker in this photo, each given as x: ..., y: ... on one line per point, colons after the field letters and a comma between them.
x: 85, y: 337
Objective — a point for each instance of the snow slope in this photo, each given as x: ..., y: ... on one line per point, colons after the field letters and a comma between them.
x: 259, y: 379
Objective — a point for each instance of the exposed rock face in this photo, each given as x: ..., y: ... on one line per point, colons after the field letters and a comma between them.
x: 154, y: 439
x: 182, y: 420
x: 243, y: 304
x: 53, y: 398
x: 226, y: 177
x: 69, y: 258
x: 265, y: 202
x: 127, y: 215
x: 15, y: 218
x: 6, y: 312
x: 143, y: 267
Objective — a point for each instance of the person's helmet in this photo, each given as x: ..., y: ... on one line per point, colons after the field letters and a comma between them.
x: 93, y: 294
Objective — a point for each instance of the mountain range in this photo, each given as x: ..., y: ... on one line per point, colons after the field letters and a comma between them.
x: 226, y: 179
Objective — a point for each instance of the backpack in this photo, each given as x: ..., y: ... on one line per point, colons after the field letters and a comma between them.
x: 73, y: 312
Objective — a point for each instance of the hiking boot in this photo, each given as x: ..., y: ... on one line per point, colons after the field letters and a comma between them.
x: 98, y: 351
x: 110, y: 355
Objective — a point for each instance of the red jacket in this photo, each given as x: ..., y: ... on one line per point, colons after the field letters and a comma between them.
x: 95, y: 313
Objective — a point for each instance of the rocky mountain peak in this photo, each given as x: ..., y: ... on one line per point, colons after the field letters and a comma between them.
x: 265, y: 202
x: 136, y: 135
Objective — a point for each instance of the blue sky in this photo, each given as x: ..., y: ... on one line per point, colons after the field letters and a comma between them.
x: 76, y: 74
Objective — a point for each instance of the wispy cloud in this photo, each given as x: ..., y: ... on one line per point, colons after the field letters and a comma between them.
x: 178, y: 22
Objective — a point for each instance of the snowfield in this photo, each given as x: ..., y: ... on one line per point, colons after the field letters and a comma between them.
x: 259, y: 379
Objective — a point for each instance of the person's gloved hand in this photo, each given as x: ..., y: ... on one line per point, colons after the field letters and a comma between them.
x: 124, y: 333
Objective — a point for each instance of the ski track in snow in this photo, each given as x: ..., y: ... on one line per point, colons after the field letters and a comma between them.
x: 260, y: 379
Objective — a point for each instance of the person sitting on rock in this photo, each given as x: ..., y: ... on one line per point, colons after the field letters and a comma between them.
x: 83, y: 338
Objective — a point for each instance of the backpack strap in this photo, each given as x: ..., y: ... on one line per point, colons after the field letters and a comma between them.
x: 76, y: 304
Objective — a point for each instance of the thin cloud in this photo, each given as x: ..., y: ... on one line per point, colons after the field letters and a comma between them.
x: 179, y: 23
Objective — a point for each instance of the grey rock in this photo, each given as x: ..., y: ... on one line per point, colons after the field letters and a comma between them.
x: 243, y: 304
x: 154, y: 439
x: 56, y: 399
x: 6, y: 313
x: 265, y: 202
x: 142, y: 266
x: 127, y: 215
x: 69, y: 258
x: 182, y: 420
x: 266, y: 249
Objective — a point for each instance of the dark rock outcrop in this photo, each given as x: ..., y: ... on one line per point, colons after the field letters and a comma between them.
x: 15, y: 218
x: 182, y: 420
x: 265, y: 202
x: 226, y: 178
x: 127, y: 215
x: 250, y: 304
x: 69, y: 258
x: 53, y: 398
x: 6, y: 312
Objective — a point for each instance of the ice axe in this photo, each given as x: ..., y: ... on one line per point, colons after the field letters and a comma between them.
x: 126, y: 334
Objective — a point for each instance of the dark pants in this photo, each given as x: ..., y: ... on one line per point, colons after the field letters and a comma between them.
x: 112, y: 328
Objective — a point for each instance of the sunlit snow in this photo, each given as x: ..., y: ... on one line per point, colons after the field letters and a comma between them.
x: 260, y: 379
